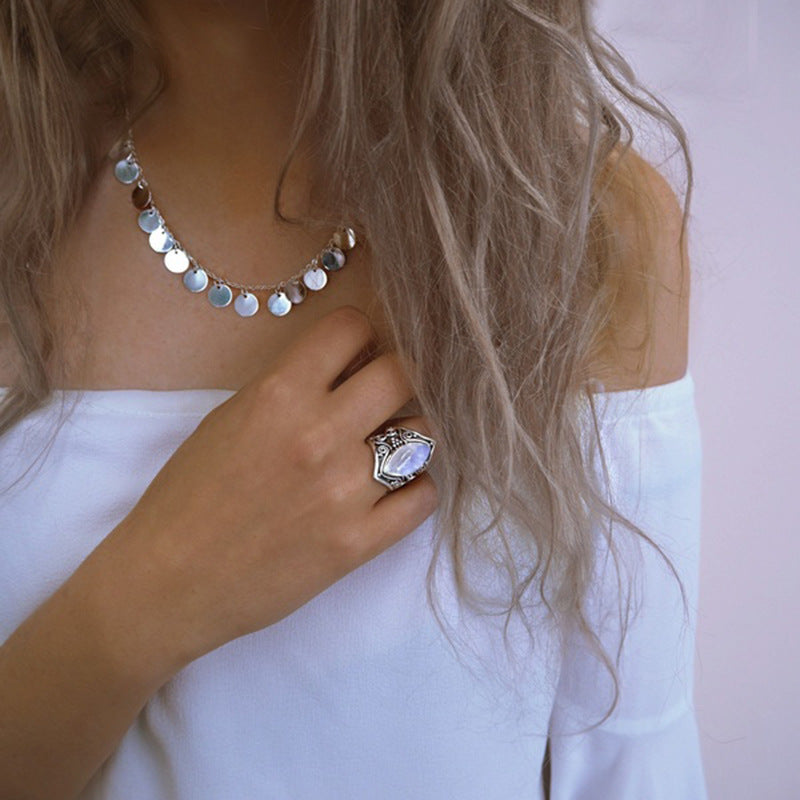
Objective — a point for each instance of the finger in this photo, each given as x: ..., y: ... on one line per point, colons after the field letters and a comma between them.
x: 373, y: 394
x: 323, y: 351
x: 400, y: 512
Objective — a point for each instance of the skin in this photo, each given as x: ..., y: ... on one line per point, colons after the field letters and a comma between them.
x: 213, y: 177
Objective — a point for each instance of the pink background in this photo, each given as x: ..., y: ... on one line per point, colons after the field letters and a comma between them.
x: 731, y: 71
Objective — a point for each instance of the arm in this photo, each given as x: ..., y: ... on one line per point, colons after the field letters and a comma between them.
x: 73, y: 677
x: 648, y: 747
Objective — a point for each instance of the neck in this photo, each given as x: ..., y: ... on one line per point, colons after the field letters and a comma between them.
x: 227, y: 60
x: 212, y: 143
x: 234, y: 73
x: 210, y: 146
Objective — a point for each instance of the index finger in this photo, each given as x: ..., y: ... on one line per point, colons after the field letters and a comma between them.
x: 326, y: 349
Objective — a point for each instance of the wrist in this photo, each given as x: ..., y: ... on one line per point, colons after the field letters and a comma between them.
x: 119, y: 606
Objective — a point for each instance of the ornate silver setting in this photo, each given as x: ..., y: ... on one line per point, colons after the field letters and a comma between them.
x: 401, y: 454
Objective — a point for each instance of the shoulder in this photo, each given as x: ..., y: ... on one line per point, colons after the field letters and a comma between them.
x: 647, y: 340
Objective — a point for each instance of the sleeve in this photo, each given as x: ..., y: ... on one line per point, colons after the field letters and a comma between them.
x: 649, y: 748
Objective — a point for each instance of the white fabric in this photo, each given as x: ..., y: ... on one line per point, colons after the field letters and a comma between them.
x: 357, y: 694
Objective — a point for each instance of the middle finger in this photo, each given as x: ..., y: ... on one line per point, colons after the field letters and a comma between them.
x: 373, y: 394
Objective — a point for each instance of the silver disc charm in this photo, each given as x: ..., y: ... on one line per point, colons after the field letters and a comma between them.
x: 141, y: 196
x: 127, y: 170
x: 220, y: 295
x: 195, y: 280
x: 161, y: 240
x: 345, y: 239
x: 176, y: 260
x: 315, y: 278
x: 295, y: 291
x: 149, y: 220
x: 400, y: 455
x: 333, y: 259
x: 246, y: 304
x: 279, y: 304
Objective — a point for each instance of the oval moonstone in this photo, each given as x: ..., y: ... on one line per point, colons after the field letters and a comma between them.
x: 195, y: 280
x: 407, y: 459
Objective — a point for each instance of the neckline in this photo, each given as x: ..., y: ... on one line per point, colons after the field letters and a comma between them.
x: 200, y: 401
x: 615, y: 405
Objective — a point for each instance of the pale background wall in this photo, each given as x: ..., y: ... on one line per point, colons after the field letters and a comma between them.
x: 731, y: 71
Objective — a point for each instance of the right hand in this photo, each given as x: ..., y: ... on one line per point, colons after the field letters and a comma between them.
x: 271, y: 499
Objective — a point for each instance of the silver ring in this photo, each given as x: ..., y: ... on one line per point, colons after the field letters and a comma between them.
x: 400, y: 454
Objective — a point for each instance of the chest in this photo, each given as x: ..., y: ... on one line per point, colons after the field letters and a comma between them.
x: 124, y: 321
x: 161, y: 336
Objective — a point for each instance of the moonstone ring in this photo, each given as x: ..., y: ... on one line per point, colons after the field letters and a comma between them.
x: 400, y: 455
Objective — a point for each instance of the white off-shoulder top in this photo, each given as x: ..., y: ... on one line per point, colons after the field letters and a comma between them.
x: 357, y: 695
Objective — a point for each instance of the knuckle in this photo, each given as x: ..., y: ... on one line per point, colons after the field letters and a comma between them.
x: 313, y: 443
x: 272, y: 389
x: 338, y: 489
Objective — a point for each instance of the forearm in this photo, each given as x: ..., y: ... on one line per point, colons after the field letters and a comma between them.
x: 73, y: 677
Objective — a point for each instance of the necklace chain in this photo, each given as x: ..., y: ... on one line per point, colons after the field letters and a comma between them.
x: 285, y: 294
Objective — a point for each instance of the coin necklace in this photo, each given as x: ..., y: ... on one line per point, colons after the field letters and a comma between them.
x: 282, y: 296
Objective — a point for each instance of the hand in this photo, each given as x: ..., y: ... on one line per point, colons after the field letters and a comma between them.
x: 271, y: 499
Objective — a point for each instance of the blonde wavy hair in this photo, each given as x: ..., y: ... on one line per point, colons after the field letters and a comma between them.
x: 481, y: 143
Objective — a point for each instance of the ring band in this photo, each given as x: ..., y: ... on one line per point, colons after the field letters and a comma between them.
x: 400, y: 455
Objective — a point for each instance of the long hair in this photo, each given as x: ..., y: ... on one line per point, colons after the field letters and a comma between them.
x: 483, y: 144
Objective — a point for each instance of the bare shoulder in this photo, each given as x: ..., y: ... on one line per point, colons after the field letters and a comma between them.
x: 647, y: 342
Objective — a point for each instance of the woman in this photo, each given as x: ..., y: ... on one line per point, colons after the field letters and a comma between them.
x: 214, y: 582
